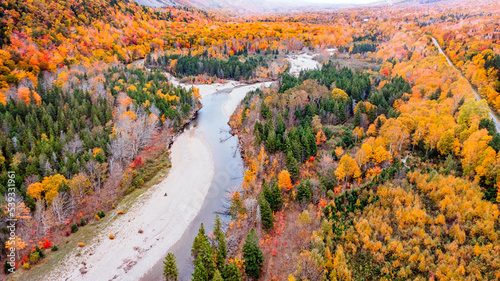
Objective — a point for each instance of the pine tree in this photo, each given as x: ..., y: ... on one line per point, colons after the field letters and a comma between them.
x: 230, y: 272
x: 278, y: 200
x: 266, y: 191
x: 252, y: 255
x: 206, y: 261
x: 200, y: 272
x: 217, y: 276
x: 198, y: 243
x: 292, y: 165
x: 219, y: 244
x: 342, y: 115
x: 304, y: 192
x: 170, y: 270
x: 357, y: 118
x: 266, y: 215
x: 271, y: 141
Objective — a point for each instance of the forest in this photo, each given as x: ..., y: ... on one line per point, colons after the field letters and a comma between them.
x: 381, y: 162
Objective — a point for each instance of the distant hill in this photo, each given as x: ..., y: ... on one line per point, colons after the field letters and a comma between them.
x: 245, y: 6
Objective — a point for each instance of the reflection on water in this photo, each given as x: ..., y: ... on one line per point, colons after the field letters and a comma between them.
x: 228, y: 176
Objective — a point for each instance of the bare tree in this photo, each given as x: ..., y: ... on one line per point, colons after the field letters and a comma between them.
x: 74, y: 146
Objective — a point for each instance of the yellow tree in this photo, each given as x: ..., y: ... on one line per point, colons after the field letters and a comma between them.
x: 380, y: 155
x: 47, y: 189
x: 284, y: 180
x: 473, y: 147
x: 339, y: 94
x: 79, y: 185
x: 348, y: 168
x: 446, y: 143
x: 364, y: 154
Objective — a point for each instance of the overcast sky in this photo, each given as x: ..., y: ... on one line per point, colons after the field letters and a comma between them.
x: 340, y: 1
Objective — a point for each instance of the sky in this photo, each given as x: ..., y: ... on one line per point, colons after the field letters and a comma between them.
x: 340, y: 1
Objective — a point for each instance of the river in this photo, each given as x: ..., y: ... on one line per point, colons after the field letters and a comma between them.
x: 212, y: 122
x: 206, y: 167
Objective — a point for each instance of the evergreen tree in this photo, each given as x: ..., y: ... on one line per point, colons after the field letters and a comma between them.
x: 271, y: 141
x: 199, y: 242
x: 200, y: 272
x: 217, y: 276
x: 304, y: 192
x: 252, y: 255
x: 342, y: 115
x: 266, y: 215
x: 292, y: 165
x: 205, y: 262
x: 278, y: 200
x: 230, y: 272
x: 266, y: 191
x: 170, y: 270
x: 219, y: 243
x: 357, y: 118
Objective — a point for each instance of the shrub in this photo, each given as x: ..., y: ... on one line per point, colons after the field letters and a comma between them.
x: 82, y: 222
x: 101, y: 214
x: 74, y: 228
x: 7, y: 267
x: 54, y: 248
x: 34, y: 257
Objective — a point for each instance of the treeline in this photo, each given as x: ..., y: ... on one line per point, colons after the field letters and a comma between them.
x: 359, y: 48
x: 57, y: 136
x: 232, y: 68
x: 357, y: 85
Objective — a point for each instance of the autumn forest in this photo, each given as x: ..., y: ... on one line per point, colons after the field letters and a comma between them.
x: 179, y: 142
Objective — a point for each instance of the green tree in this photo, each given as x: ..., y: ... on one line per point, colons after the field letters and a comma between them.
x: 199, y: 242
x: 252, y: 255
x: 170, y: 270
x: 200, y: 272
x: 217, y: 276
x: 230, y: 272
x: 291, y: 165
x: 266, y: 214
x: 207, y: 259
x: 278, y: 200
x: 219, y: 244
x: 304, y: 192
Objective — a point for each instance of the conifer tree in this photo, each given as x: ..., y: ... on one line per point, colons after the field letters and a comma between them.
x: 252, y: 255
x: 217, y: 276
x: 219, y: 244
x: 266, y: 215
x: 198, y: 243
x: 230, y: 272
x: 292, y: 165
x: 200, y: 272
x: 266, y: 191
x: 277, y: 198
x: 170, y: 270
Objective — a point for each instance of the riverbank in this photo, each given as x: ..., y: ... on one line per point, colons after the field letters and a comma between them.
x: 161, y: 218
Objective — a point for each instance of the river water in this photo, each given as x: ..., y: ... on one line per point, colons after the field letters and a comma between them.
x: 213, y: 123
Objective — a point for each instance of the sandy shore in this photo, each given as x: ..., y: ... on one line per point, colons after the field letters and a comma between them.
x: 163, y: 220
x: 237, y: 95
x: 303, y: 61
